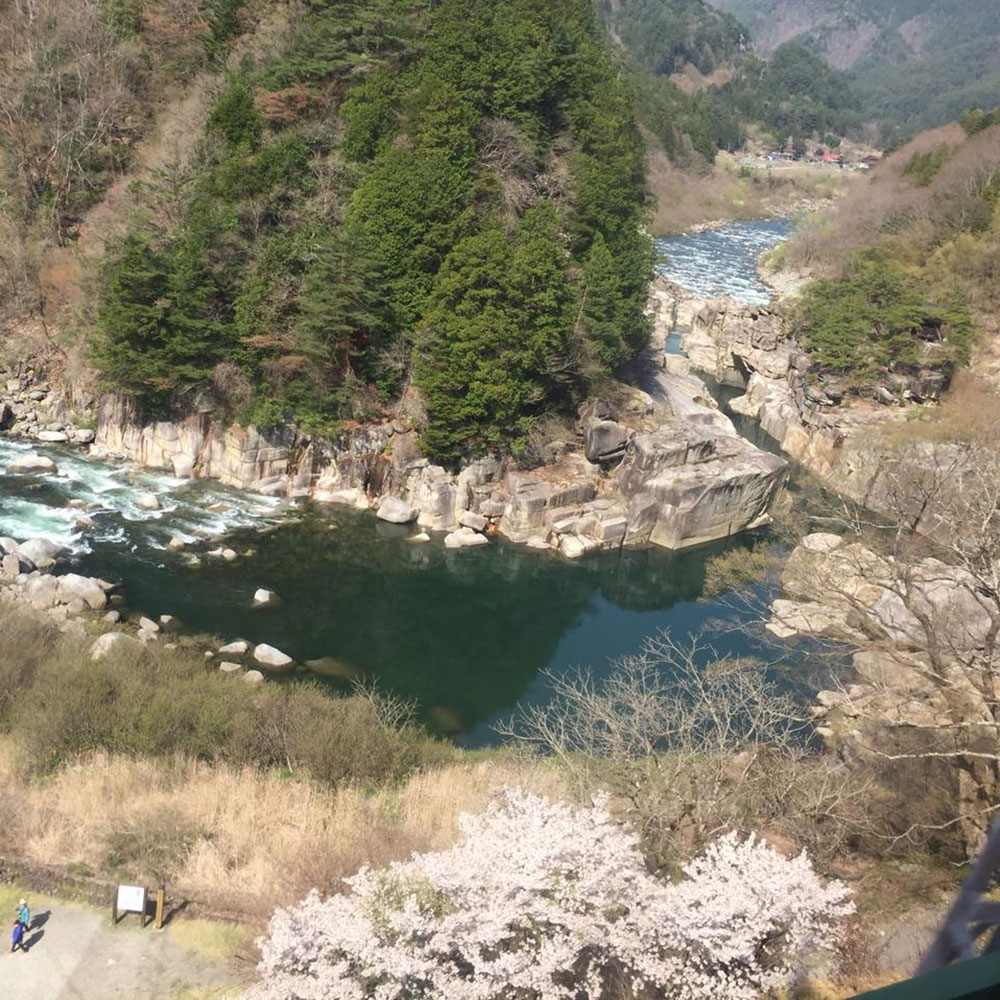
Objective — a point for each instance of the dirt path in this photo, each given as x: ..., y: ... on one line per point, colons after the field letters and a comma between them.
x: 74, y: 952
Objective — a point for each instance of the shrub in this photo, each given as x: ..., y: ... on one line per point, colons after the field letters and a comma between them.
x: 540, y: 901
x: 878, y: 316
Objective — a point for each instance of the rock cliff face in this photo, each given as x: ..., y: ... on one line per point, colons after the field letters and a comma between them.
x: 921, y: 713
x: 823, y: 429
x: 667, y: 469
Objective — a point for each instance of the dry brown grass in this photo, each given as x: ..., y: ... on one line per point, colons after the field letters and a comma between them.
x: 238, y: 839
x: 685, y: 198
x: 969, y: 412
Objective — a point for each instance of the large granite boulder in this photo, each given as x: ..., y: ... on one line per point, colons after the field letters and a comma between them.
x: 396, y: 511
x: 604, y: 441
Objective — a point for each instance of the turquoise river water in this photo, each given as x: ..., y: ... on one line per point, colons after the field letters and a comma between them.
x: 465, y: 634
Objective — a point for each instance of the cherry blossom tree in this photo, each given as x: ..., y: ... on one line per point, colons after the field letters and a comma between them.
x: 540, y: 901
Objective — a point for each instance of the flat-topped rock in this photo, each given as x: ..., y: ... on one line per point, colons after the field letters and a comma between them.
x: 464, y: 538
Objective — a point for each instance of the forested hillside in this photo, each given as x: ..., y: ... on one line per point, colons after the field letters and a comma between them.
x: 909, y: 261
x: 793, y: 94
x: 382, y: 195
x: 917, y: 63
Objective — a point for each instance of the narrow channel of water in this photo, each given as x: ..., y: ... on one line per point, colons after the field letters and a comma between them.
x: 466, y: 634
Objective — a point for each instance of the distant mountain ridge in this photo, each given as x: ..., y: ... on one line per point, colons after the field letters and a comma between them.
x: 917, y: 63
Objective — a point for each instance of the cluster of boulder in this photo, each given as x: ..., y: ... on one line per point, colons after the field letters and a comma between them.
x: 925, y: 670
x: 29, y: 408
x: 28, y: 574
x: 34, y: 573
x: 662, y: 466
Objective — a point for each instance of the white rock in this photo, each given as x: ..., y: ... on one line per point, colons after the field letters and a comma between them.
x: 148, y: 625
x: 147, y: 501
x: 53, y: 437
x: 470, y: 519
x: 176, y: 544
x: 464, y: 538
x: 230, y: 555
x: 268, y: 656
x: 83, y: 435
x: 169, y: 623
x: 230, y: 668
x: 352, y: 498
x: 238, y: 648
x: 572, y: 547
x: 265, y: 598
x: 114, y: 617
x: 82, y: 588
x: 42, y: 591
x: 396, y: 511
x: 253, y: 677
x: 420, y: 536
x: 31, y: 463
x: 105, y: 643
x: 34, y: 550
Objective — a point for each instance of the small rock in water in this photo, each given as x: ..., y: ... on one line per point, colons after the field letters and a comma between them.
x: 230, y: 555
x: 169, y: 623
x: 420, y: 536
x: 396, y: 511
x: 265, y: 598
x: 239, y: 647
x: 53, y: 437
x: 464, y: 538
x: 268, y: 656
x: 253, y: 677
x: 31, y: 463
x: 176, y: 544
x: 147, y: 501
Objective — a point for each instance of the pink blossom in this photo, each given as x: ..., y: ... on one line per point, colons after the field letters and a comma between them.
x: 543, y: 902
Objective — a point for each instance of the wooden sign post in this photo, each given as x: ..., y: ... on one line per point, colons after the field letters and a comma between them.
x: 161, y: 894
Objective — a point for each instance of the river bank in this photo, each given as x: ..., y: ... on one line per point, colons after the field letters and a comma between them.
x: 370, y: 599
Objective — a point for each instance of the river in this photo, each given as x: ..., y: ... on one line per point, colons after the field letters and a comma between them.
x: 465, y: 634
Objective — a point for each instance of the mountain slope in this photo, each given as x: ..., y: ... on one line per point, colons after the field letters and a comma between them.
x: 374, y: 197
x: 916, y: 62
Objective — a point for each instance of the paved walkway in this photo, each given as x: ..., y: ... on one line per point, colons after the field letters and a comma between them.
x: 75, y: 954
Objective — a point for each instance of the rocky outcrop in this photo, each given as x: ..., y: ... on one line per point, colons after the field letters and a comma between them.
x: 666, y: 468
x: 30, y: 407
x: 920, y: 713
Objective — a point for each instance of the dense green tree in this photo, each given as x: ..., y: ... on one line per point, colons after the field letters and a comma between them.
x: 599, y: 304
x: 158, y: 324
x: 458, y: 177
x: 878, y: 316
x: 234, y: 116
x: 495, y: 348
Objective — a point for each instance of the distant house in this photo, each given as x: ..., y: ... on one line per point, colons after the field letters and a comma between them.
x: 779, y: 155
x: 836, y: 158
